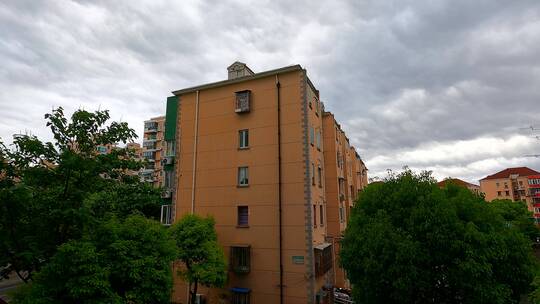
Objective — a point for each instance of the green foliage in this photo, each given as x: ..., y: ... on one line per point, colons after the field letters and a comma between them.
x: 54, y: 198
x: 516, y: 214
x: 198, y: 250
x: 121, y: 262
x: 408, y: 241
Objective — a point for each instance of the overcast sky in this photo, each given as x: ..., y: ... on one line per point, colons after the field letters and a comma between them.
x: 438, y: 85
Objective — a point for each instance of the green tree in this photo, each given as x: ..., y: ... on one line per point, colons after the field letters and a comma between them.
x: 51, y: 191
x: 408, y: 241
x: 198, y: 250
x: 516, y: 214
x: 119, y: 262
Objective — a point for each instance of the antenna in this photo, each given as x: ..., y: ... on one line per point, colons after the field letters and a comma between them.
x: 534, y: 134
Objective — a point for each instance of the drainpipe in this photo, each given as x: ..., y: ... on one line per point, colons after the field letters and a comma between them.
x: 278, y: 85
x: 195, y: 141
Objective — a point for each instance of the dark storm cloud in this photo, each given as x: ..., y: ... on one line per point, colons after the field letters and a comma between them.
x: 440, y: 85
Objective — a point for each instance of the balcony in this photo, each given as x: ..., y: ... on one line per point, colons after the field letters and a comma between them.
x: 149, y: 156
x: 151, y: 127
x: 323, y: 258
x: 147, y: 170
x: 242, y: 103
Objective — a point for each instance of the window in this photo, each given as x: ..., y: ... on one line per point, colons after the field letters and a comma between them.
x: 169, y: 179
x: 243, y: 176
x: 319, y: 170
x: 497, y: 184
x: 102, y: 149
x: 240, y: 295
x: 166, y: 214
x: 318, y: 139
x: 313, y: 174
x: 341, y: 213
x: 170, y: 148
x: 243, y: 139
x: 507, y: 193
x: 243, y: 216
x: 311, y: 135
x: 240, y: 259
x: 505, y: 185
x: 498, y: 193
x: 321, y: 214
x: 521, y: 183
x: 242, y: 104
x: 315, y: 216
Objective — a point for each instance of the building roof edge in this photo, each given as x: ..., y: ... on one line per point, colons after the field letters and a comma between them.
x: 286, y: 69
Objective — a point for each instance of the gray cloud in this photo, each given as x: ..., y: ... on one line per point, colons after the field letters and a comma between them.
x: 414, y: 83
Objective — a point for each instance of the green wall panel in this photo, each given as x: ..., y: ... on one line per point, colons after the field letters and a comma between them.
x: 171, y: 117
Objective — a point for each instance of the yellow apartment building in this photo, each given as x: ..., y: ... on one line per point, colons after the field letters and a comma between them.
x: 345, y: 177
x: 516, y: 184
x: 251, y: 152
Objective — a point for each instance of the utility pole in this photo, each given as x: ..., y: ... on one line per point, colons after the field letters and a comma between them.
x: 535, y: 133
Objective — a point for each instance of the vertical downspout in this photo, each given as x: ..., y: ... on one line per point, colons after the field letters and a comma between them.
x: 278, y: 85
x: 195, y: 141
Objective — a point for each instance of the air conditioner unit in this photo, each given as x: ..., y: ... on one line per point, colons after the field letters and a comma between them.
x: 169, y: 160
x: 200, y: 299
x: 166, y: 193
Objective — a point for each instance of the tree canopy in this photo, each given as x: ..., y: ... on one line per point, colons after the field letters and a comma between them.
x: 408, y: 241
x: 57, y: 197
x: 120, y: 262
x: 197, y: 248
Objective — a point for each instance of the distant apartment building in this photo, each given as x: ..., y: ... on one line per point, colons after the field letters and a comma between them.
x: 259, y: 153
x: 345, y: 176
x: 152, y: 151
x: 456, y: 181
x: 516, y: 184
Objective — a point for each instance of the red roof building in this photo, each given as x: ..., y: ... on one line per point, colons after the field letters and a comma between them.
x: 516, y: 184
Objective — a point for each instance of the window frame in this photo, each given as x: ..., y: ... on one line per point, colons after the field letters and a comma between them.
x: 312, y: 174
x: 240, y: 298
x: 240, y: 209
x: 240, y: 258
x: 321, y: 215
x: 314, y: 215
x: 319, y: 173
x: 243, y: 138
x: 240, y: 179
